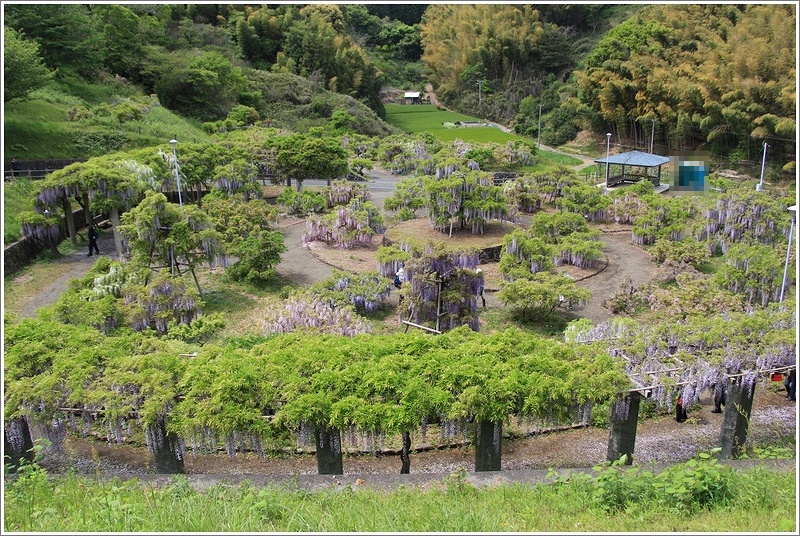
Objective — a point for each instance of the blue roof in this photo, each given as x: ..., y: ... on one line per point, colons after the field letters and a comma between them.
x: 635, y: 158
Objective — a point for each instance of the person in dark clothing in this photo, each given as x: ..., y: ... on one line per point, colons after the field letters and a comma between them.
x: 93, y: 241
x: 791, y: 385
x: 680, y: 411
x: 15, y: 167
x: 719, y: 397
x: 480, y: 288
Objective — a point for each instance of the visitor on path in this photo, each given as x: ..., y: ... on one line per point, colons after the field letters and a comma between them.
x: 399, y: 278
x: 15, y: 168
x: 791, y: 385
x: 480, y: 288
x: 93, y: 241
x: 680, y: 411
x: 719, y: 397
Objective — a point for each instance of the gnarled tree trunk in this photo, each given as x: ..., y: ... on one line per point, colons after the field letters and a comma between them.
x: 17, y: 442
x: 404, y: 454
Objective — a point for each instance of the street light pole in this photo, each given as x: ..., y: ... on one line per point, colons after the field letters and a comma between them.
x: 539, y: 131
x: 608, y: 147
x: 174, y: 144
x: 793, y: 210
x: 760, y: 185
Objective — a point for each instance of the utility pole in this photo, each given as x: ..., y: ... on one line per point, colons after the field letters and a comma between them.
x: 480, y: 82
x: 174, y: 144
x: 539, y: 131
x: 652, y: 135
x: 760, y: 185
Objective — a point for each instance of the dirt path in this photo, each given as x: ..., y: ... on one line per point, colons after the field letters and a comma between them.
x: 622, y: 260
x: 79, y: 263
x: 297, y: 262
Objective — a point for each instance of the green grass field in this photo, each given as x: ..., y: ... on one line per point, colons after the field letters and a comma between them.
x: 419, y: 118
x: 442, y: 124
x: 697, y: 498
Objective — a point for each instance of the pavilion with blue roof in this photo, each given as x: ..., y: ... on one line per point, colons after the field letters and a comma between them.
x: 634, y: 166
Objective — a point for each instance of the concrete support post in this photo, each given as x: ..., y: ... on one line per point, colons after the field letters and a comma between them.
x: 329, y: 450
x: 735, y: 418
x: 623, y: 420
x: 488, y: 445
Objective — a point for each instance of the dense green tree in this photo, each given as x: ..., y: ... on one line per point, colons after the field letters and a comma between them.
x: 66, y: 33
x: 539, y: 295
x: 23, y: 68
x: 247, y: 231
x: 306, y: 157
x: 121, y: 41
x: 205, y: 85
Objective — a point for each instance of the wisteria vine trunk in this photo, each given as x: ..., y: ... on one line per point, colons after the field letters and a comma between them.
x: 405, y: 457
x: 17, y: 443
x: 166, y: 448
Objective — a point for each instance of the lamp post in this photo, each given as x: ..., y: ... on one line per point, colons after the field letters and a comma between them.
x: 793, y: 211
x: 174, y: 144
x: 760, y: 185
x: 539, y: 131
x: 608, y: 147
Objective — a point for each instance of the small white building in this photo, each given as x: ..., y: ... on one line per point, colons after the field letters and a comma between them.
x: 411, y: 97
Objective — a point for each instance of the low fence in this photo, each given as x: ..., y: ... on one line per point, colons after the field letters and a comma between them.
x: 35, y: 169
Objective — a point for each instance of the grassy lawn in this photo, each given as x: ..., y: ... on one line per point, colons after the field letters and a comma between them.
x: 421, y: 118
x: 750, y: 501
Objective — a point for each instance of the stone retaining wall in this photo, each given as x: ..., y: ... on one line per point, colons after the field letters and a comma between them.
x: 19, y: 254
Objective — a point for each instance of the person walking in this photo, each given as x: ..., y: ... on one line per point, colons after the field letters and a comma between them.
x: 15, y: 168
x: 791, y: 385
x: 93, y: 241
x: 399, y: 278
x: 480, y: 287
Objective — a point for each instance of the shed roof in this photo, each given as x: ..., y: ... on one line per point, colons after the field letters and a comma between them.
x: 411, y: 95
x: 635, y: 158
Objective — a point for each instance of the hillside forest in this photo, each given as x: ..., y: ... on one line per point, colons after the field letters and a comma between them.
x: 718, y: 78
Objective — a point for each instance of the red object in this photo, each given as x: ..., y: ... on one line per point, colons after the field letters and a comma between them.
x: 777, y: 377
